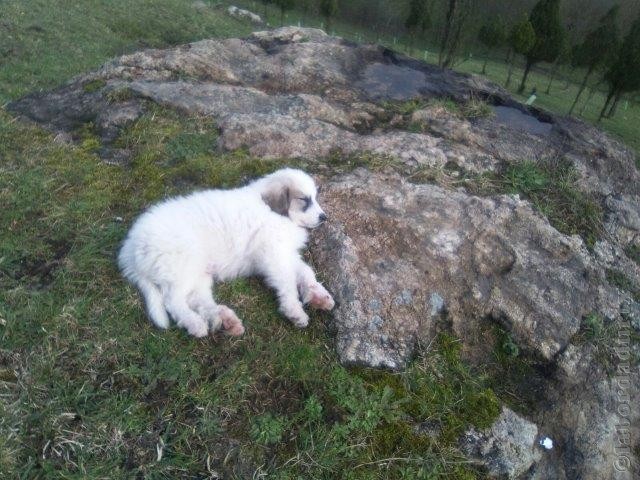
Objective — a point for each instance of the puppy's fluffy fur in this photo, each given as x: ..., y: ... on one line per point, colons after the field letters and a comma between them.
x: 177, y: 249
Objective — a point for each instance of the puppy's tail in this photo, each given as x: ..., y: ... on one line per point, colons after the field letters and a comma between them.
x: 155, y: 305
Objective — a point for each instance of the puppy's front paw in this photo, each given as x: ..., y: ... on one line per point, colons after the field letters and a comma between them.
x: 320, y: 298
x: 300, y: 321
x: 296, y: 315
x: 199, y: 329
x: 230, y: 321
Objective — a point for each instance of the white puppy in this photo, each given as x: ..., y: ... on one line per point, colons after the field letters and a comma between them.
x: 178, y: 248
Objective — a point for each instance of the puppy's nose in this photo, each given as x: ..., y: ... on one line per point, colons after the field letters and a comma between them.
x: 322, y: 217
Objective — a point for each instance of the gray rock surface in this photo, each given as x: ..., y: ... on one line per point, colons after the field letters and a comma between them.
x: 301, y: 93
x: 399, y: 256
x: 508, y: 448
x: 406, y: 260
x: 392, y: 247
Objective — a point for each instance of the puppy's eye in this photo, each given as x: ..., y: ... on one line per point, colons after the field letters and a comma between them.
x: 306, y: 202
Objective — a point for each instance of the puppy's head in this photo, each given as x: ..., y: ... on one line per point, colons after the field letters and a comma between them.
x: 293, y: 193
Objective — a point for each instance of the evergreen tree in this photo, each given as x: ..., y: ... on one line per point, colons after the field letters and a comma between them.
x: 328, y: 9
x: 597, y: 49
x: 266, y: 3
x: 492, y: 35
x: 563, y: 58
x: 418, y: 20
x: 521, y: 39
x: 284, y: 5
x: 457, y: 15
x: 624, y: 74
x: 545, y: 19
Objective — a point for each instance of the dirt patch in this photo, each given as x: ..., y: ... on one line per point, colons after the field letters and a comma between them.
x: 158, y: 395
x: 38, y: 271
x: 279, y: 396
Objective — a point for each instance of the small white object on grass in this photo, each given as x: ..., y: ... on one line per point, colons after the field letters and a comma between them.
x: 547, y: 443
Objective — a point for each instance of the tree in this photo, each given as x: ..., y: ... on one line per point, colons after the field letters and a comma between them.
x: 328, y: 9
x: 545, y: 19
x: 492, y: 35
x: 458, y: 13
x: 562, y: 58
x: 418, y: 20
x: 284, y: 5
x: 521, y: 39
x: 624, y: 74
x: 598, y: 48
x: 266, y: 3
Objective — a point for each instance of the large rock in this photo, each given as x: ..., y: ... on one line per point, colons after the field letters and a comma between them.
x: 394, y: 249
x: 298, y: 92
x: 296, y: 77
x: 401, y: 257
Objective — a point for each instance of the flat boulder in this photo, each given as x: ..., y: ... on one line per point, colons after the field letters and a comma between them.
x: 397, y: 254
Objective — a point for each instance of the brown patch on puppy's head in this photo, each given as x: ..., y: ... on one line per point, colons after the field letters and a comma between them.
x: 292, y: 193
x: 278, y: 199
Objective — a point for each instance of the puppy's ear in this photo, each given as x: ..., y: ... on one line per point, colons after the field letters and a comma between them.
x: 278, y: 198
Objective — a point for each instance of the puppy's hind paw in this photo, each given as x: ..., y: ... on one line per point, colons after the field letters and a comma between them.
x: 231, y: 323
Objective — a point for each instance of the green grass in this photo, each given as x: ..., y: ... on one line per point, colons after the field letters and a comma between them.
x: 44, y: 43
x: 552, y: 188
x: 621, y: 281
x: 91, y: 389
x: 603, y: 337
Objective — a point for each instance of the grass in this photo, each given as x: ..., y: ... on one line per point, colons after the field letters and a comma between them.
x: 552, y: 188
x: 621, y: 281
x: 398, y: 115
x: 604, y: 337
x: 43, y: 43
x: 90, y: 389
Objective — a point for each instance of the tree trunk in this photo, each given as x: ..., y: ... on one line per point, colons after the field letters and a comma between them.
x: 606, y: 104
x: 614, y: 106
x: 554, y: 72
x: 523, y: 84
x: 282, y: 17
x: 582, y: 86
x: 592, y: 92
x: 510, y: 58
x: 455, y: 42
x: 447, y: 31
x: 484, y: 65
